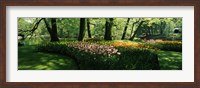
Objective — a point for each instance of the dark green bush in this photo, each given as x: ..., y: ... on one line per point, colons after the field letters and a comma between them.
x: 90, y: 56
x: 170, y: 47
x: 137, y: 58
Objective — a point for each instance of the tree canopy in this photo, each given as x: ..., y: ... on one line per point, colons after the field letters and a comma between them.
x: 100, y: 28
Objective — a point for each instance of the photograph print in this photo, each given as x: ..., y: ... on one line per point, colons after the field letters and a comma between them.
x: 99, y: 43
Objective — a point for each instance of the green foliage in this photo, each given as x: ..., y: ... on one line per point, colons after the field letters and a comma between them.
x: 69, y: 27
x: 97, y: 27
x: 136, y: 58
x: 167, y: 45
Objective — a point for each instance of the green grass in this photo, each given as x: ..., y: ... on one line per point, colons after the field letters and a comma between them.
x: 29, y: 59
x: 170, y: 60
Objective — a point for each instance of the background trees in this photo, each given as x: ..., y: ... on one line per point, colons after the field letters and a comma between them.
x: 99, y: 28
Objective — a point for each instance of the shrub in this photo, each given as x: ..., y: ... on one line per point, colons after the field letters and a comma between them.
x: 137, y: 58
x: 88, y: 55
x: 91, y: 56
x: 166, y: 45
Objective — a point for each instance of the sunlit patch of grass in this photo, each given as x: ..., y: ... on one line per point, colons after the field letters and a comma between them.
x: 29, y: 59
x: 170, y: 60
x: 40, y: 67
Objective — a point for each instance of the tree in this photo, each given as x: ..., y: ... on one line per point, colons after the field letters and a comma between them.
x: 139, y: 27
x: 24, y: 26
x: 133, y: 26
x: 82, y: 29
x: 125, y: 28
x: 54, y: 36
x: 108, y: 29
x: 52, y: 30
x: 88, y: 28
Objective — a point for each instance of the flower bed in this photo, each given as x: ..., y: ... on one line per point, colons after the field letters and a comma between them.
x: 166, y: 45
x: 130, y: 44
x: 91, y: 56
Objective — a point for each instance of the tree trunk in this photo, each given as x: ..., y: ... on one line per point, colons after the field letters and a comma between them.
x: 82, y: 29
x: 125, y: 28
x: 132, y: 31
x: 162, y: 27
x: 149, y: 30
x: 88, y: 28
x: 108, y: 29
x: 48, y: 27
x: 133, y: 25
x: 54, y: 34
x: 136, y: 30
x: 52, y: 31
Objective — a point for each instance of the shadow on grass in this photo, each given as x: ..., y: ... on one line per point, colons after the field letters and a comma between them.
x: 170, y: 60
x: 29, y: 59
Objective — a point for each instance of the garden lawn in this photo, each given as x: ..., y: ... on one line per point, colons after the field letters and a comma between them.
x: 30, y: 59
x: 170, y: 60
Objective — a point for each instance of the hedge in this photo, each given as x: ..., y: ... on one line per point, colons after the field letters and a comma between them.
x: 91, y: 56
